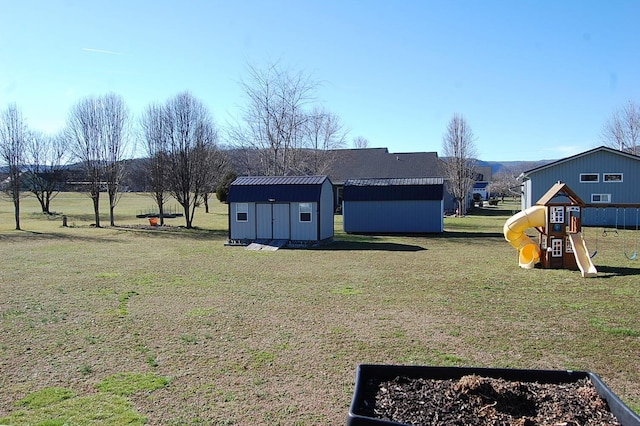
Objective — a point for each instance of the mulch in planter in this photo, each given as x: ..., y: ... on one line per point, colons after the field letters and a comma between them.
x: 388, y: 395
x: 476, y: 400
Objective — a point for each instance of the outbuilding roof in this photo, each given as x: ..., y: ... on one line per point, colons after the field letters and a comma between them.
x: 276, y: 189
x: 367, y: 163
x: 393, y: 189
x: 526, y: 174
x: 395, y: 181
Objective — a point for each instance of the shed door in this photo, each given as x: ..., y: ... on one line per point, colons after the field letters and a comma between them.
x: 281, y: 225
x: 272, y: 221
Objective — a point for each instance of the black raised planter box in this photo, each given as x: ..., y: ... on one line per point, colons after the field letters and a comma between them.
x: 371, y: 375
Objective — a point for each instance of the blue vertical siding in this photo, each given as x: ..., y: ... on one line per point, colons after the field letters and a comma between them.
x: 242, y: 230
x: 598, y: 161
x: 304, y: 231
x: 326, y: 211
x: 398, y: 216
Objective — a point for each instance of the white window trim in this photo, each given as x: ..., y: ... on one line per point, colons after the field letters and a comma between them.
x: 244, y: 209
x: 612, y: 181
x: 310, y: 212
x: 556, y: 247
x: 601, y: 202
x: 589, y: 181
x: 567, y: 246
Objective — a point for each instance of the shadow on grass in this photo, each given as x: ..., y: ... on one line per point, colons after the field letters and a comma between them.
x: 369, y: 245
x: 154, y: 232
x: 491, y: 211
x: 24, y: 235
x: 176, y: 232
x: 614, y: 271
x: 468, y: 235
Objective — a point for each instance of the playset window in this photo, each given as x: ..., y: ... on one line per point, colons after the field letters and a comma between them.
x: 556, y: 247
x: 568, y: 246
x: 612, y: 177
x: 242, y: 212
x: 557, y: 214
x: 589, y: 177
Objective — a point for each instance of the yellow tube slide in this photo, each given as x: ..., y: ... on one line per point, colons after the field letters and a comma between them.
x: 514, y: 227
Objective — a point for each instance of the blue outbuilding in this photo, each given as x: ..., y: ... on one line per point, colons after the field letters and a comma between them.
x: 290, y: 209
x: 407, y: 205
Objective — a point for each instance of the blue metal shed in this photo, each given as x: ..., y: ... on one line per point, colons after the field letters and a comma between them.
x: 290, y: 208
x: 409, y: 205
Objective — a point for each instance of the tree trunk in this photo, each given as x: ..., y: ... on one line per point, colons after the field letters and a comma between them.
x: 112, y: 207
x: 47, y: 203
x: 16, y: 204
x: 96, y: 208
x: 187, y: 213
x: 161, y: 213
x: 205, y: 199
x: 112, y: 221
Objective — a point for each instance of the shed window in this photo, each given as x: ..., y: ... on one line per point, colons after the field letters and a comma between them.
x: 589, y: 177
x: 305, y: 212
x: 600, y: 198
x: 612, y: 177
x: 242, y: 212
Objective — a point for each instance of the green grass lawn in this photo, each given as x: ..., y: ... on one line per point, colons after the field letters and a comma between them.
x: 135, y: 325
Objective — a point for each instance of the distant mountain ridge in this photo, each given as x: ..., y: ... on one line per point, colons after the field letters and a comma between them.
x: 519, y: 166
x: 496, y: 166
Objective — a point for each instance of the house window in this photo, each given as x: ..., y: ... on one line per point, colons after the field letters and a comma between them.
x: 612, y: 177
x: 305, y: 212
x: 242, y: 212
x: 589, y: 178
x: 600, y: 198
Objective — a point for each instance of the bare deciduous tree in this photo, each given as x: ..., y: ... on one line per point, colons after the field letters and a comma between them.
x: 622, y: 130
x: 324, y: 133
x: 191, y: 135
x: 360, y: 142
x: 152, y: 124
x: 45, y: 172
x: 504, y: 183
x: 96, y: 130
x: 115, y: 123
x: 459, y: 157
x: 13, y: 136
x: 273, y: 121
x: 218, y: 164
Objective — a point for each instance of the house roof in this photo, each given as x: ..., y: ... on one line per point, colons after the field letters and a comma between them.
x: 274, y: 189
x: 369, y: 163
x: 393, y: 189
x: 582, y: 154
x: 278, y: 180
x: 560, y: 189
x: 395, y: 182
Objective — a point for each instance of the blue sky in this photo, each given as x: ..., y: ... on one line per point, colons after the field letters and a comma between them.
x: 535, y: 79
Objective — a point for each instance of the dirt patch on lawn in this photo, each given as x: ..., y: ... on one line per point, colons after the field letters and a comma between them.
x: 476, y: 400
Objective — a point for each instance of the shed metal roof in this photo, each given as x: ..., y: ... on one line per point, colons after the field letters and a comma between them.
x: 276, y: 189
x: 393, y: 189
x: 278, y: 180
x: 395, y: 181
